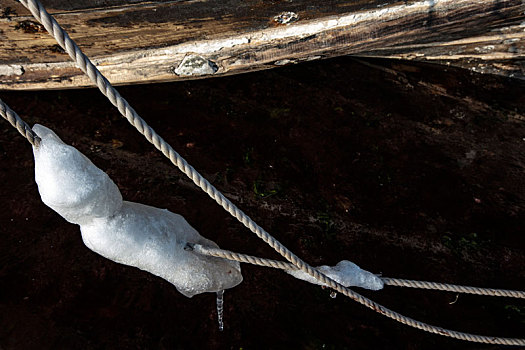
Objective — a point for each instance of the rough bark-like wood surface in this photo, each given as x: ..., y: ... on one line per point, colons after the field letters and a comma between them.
x: 142, y: 42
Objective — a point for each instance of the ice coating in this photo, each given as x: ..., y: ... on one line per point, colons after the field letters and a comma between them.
x: 153, y: 239
x: 134, y: 234
x: 346, y: 273
x: 69, y: 183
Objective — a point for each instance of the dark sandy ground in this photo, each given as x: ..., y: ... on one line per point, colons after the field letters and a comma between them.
x: 409, y: 170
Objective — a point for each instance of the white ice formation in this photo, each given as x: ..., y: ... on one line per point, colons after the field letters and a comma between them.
x: 346, y: 273
x: 129, y: 233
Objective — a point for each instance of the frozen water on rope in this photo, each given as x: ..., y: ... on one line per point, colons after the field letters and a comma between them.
x: 70, y: 184
x: 346, y: 273
x: 134, y: 234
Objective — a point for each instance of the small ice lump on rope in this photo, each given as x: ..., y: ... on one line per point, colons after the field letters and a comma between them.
x: 346, y: 273
x: 134, y: 234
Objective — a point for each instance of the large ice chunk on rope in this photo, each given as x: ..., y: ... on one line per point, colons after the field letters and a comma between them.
x: 134, y: 234
x: 70, y: 184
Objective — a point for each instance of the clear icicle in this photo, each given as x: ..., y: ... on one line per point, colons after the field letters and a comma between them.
x: 220, y: 309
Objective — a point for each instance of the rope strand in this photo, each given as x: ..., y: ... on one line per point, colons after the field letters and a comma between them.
x: 20, y: 125
x: 395, y: 282
x: 131, y: 115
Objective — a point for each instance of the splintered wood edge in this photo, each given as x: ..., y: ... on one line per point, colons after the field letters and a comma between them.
x: 398, y: 32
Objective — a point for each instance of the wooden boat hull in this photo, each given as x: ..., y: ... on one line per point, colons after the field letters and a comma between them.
x: 144, y: 42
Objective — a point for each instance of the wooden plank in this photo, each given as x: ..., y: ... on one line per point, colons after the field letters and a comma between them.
x: 142, y: 42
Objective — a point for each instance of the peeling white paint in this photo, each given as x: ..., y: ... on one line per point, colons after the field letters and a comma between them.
x: 383, y: 14
x: 119, y: 67
x: 313, y: 58
x: 308, y: 28
x: 283, y: 62
x: 296, y: 30
x: 207, y: 46
x: 286, y: 17
x: 11, y: 69
x: 195, y: 65
x: 484, y: 49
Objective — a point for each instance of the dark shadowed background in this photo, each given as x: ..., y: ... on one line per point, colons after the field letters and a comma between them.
x: 409, y: 170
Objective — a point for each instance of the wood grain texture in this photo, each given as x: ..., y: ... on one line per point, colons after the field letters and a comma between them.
x: 141, y: 42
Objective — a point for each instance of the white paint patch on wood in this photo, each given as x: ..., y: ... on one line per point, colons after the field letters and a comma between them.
x: 195, y: 65
x: 11, y: 69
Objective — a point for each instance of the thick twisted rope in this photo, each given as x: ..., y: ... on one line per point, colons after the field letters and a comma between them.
x: 129, y: 113
x: 20, y: 125
x: 244, y: 258
x: 395, y: 282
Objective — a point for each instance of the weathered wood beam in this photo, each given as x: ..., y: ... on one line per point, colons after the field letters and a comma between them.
x: 143, y: 42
